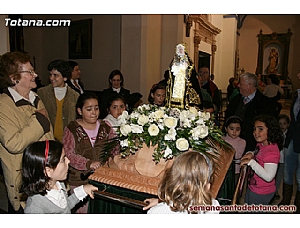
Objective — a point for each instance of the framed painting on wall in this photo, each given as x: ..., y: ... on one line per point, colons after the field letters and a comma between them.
x: 80, y: 39
x: 273, y: 53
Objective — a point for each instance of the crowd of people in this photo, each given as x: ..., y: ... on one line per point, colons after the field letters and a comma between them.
x: 61, y: 129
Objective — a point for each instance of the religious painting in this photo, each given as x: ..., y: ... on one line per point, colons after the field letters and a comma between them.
x: 273, y: 53
x: 272, y: 63
x: 80, y: 39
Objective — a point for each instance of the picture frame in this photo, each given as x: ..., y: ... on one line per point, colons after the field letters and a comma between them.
x: 80, y: 39
x: 273, y: 53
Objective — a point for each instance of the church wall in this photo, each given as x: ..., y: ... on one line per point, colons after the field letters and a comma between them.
x: 4, y: 37
x: 269, y: 24
x: 50, y: 43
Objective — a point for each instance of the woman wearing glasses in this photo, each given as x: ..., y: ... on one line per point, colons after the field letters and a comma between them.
x: 23, y: 120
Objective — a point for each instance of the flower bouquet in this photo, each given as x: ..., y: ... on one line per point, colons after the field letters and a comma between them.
x: 172, y: 131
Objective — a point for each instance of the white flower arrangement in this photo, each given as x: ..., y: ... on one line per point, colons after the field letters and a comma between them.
x: 174, y: 131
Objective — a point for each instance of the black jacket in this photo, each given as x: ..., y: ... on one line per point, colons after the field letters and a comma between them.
x: 107, y: 94
x: 70, y: 84
x: 260, y: 104
x: 294, y: 128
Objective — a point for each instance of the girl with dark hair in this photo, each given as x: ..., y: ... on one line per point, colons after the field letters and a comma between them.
x: 157, y: 94
x: 116, y: 106
x: 44, y: 167
x: 233, y: 128
x: 84, y: 141
x: 263, y: 161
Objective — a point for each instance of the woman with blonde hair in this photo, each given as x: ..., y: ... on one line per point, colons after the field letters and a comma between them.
x: 185, y: 185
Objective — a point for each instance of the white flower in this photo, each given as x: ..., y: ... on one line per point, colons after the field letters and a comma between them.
x: 182, y: 144
x: 170, y: 122
x: 123, y: 117
x: 125, y: 129
x: 153, y: 130
x: 201, y: 131
x: 168, y: 152
x: 124, y: 143
x: 159, y: 114
x: 205, y: 115
x: 183, y: 115
x: 200, y: 121
x: 143, y: 119
x: 186, y: 122
x: 136, y: 129
x: 134, y: 115
x: 146, y: 106
x: 171, y: 134
x: 193, y: 110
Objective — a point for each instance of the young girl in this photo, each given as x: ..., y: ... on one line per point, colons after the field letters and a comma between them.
x: 157, y: 94
x: 185, y: 184
x: 233, y: 130
x: 84, y: 141
x: 116, y: 106
x: 264, y: 161
x: 284, y: 123
x: 45, y: 165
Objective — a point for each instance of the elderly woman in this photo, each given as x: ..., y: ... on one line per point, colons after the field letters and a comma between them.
x: 23, y: 120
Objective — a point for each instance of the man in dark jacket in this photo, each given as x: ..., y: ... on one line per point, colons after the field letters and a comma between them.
x: 249, y: 104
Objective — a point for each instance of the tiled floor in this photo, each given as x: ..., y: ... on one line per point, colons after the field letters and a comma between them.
x: 3, y: 196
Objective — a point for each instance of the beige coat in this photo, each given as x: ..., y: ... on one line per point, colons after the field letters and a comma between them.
x: 19, y: 127
x: 69, y: 106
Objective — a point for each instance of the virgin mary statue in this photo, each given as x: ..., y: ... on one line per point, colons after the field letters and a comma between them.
x: 182, y: 90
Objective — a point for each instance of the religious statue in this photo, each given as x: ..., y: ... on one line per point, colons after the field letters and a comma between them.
x: 273, y: 62
x: 183, y: 90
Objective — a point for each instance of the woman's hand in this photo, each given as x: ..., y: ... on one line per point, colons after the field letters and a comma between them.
x: 246, y: 159
x: 95, y: 165
x: 89, y: 189
x: 151, y: 203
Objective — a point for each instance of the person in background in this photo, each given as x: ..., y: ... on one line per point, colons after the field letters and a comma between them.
x: 263, y: 162
x: 210, y: 86
x: 45, y: 167
x: 284, y: 122
x: 74, y: 81
x: 274, y: 91
x: 204, y: 93
x: 23, y: 120
x: 231, y: 87
x: 115, y: 108
x: 157, y: 94
x: 185, y: 184
x: 292, y: 154
x: 233, y: 127
x: 84, y: 142
x: 58, y: 97
x: 116, y: 83
x: 248, y: 104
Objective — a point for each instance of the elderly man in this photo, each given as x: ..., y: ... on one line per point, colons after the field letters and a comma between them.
x: 249, y: 104
x: 210, y: 86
